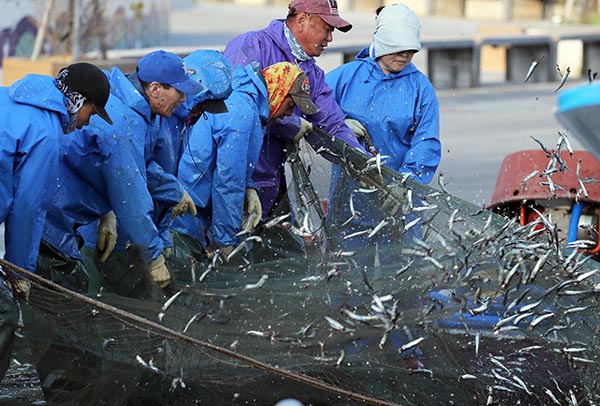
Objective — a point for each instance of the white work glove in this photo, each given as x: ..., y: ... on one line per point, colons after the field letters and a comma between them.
x: 159, y: 272
x: 252, y: 210
x: 21, y: 288
x: 107, y: 235
x: 166, y: 252
x: 305, y: 127
x: 356, y: 126
x: 186, y: 204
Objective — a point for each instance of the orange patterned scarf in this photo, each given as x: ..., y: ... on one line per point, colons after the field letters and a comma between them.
x: 279, y: 78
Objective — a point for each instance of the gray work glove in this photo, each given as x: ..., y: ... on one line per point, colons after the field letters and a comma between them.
x: 159, y: 272
x: 356, y: 126
x: 393, y: 200
x: 107, y: 235
x: 252, y: 210
x: 186, y: 204
x: 21, y: 288
x: 226, y: 250
x: 305, y: 127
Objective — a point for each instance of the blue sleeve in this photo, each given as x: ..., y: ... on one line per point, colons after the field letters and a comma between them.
x: 125, y: 174
x: 34, y: 180
x: 164, y: 187
x: 232, y: 140
x: 424, y: 154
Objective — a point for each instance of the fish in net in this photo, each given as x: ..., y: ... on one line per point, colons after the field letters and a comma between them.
x: 472, y: 309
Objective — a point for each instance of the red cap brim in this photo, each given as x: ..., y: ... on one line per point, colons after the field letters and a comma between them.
x: 336, y: 21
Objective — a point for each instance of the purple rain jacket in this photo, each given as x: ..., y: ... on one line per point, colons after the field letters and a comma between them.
x: 267, y: 47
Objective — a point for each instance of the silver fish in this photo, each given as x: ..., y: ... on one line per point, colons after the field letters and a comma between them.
x: 258, y: 284
x: 532, y: 67
x: 564, y: 79
x: 410, y: 345
x: 167, y: 304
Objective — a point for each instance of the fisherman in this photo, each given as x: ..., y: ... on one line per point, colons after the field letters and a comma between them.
x: 393, y: 109
x: 37, y: 111
x: 302, y: 36
x: 213, y: 71
x: 217, y: 170
x: 106, y: 169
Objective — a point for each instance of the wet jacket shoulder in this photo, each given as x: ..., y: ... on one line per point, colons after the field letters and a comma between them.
x: 223, y: 151
x: 399, y: 110
x: 31, y: 123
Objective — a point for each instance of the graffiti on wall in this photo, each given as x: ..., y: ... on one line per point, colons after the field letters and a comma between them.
x: 124, y: 26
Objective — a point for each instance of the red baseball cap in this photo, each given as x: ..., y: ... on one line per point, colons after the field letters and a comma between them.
x: 326, y: 9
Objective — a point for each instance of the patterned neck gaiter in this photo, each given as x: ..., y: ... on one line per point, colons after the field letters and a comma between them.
x: 297, y: 50
x: 74, y: 102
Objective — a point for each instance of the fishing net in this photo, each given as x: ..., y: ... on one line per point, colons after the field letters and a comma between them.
x: 467, y: 308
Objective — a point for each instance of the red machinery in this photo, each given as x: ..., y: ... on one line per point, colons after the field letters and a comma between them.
x: 526, y: 182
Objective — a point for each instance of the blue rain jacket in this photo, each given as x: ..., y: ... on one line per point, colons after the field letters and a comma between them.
x: 217, y: 166
x: 267, y: 47
x: 213, y: 70
x: 106, y: 167
x: 401, y: 114
x: 32, y: 118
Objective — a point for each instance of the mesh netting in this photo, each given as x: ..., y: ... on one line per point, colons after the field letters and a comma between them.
x: 472, y: 309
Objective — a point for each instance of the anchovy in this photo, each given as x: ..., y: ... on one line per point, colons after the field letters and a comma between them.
x: 539, y: 265
x: 167, y: 304
x: 359, y: 317
x: 518, y: 299
x: 576, y: 309
x: 522, y: 317
x: 522, y: 384
x: 334, y: 324
x: 546, y: 150
x: 421, y: 371
x: 237, y: 249
x: 442, y: 183
x: 585, y: 275
x: 411, y: 344
x: 539, y: 319
x: 276, y: 220
x: 551, y: 395
x: 564, y: 79
x: 528, y: 177
x: 149, y: 365
x: 256, y: 333
x: 340, y: 358
x: 582, y: 360
x: 356, y: 234
x: 532, y: 67
x: 189, y: 323
x: 378, y: 227
x: 258, y: 284
x: 405, y: 268
x: 411, y: 224
x: 529, y: 306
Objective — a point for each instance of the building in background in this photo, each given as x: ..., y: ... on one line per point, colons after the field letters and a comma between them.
x: 103, y: 24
